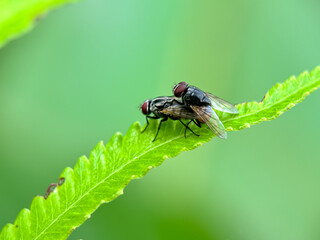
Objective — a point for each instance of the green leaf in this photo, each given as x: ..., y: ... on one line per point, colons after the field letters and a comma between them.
x: 277, y: 100
x: 103, y: 176
x: 19, y: 16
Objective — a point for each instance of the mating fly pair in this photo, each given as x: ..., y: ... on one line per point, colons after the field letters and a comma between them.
x: 195, y: 105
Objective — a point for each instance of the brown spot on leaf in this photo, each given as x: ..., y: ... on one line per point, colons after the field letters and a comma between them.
x: 50, y: 189
x: 61, y: 181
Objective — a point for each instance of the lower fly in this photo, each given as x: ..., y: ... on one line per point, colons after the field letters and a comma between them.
x: 168, y: 107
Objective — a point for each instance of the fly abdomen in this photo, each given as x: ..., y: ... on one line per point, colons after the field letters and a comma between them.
x: 194, y: 96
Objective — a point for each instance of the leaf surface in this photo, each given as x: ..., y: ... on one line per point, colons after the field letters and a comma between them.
x: 103, y: 176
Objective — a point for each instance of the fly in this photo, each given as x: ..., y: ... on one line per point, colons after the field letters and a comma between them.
x: 168, y: 107
x: 203, y: 103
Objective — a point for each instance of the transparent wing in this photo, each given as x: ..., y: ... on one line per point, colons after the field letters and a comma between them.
x: 207, y: 115
x: 179, y: 111
x: 222, y: 105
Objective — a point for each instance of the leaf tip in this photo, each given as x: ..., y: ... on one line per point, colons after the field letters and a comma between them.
x: 291, y: 105
x: 229, y: 129
x: 67, y: 172
x: 315, y: 71
x: 120, y: 192
x: 100, y: 144
x: 304, y: 74
x: 116, y: 139
x: 279, y: 113
x: 7, y: 229
x: 165, y: 157
x: 137, y: 125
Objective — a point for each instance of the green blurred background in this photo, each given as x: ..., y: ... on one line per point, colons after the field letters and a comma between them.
x: 81, y: 74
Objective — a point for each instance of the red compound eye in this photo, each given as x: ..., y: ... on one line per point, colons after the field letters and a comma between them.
x: 144, y: 107
x: 179, y: 89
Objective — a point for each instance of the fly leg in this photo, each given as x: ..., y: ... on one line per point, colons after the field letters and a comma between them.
x: 147, y: 119
x: 188, y: 128
x: 162, y: 120
x: 195, y: 122
x: 185, y: 130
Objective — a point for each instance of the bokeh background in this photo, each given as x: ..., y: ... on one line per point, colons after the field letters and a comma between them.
x: 81, y: 74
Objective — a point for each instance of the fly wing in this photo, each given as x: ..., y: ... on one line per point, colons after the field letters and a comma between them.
x: 179, y: 111
x: 222, y: 105
x: 207, y: 115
